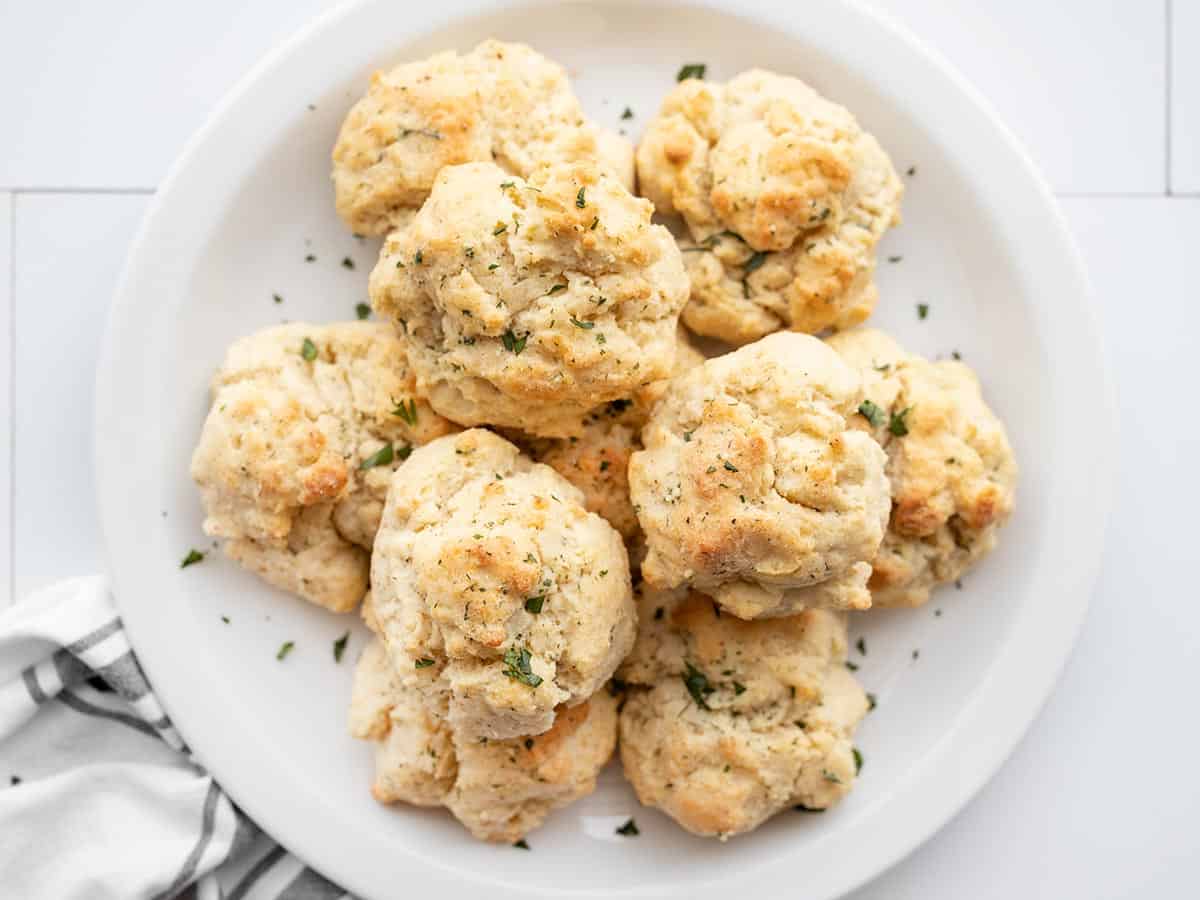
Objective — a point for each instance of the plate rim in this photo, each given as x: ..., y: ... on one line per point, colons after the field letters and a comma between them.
x: 1021, y: 705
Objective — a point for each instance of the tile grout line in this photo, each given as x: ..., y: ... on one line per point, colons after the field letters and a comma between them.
x: 1167, y: 118
x: 83, y: 189
x: 12, y: 399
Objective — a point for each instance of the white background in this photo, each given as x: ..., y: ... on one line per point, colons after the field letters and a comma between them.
x: 1102, y: 799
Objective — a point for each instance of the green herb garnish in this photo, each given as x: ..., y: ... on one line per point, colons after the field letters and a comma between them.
x: 628, y: 114
x: 857, y: 761
x: 697, y: 685
x: 629, y: 829
x: 871, y: 702
x: 555, y: 289
x: 692, y: 70
x: 583, y: 325
x: 922, y: 311
x: 339, y: 647
x: 284, y: 650
x: 404, y: 452
x: 347, y: 262
x: 406, y: 412
x: 899, y: 424
x: 534, y: 604
x: 276, y: 298
x: 580, y: 200
x: 522, y: 844
x: 516, y: 667
x: 861, y: 644
x: 738, y: 688
x: 872, y: 413
x: 512, y: 343
x: 757, y: 258
x: 500, y: 228
x: 308, y: 350
x: 363, y: 311
x: 381, y: 457
x: 423, y: 663
x: 730, y: 467
x: 427, y: 132
x: 193, y: 556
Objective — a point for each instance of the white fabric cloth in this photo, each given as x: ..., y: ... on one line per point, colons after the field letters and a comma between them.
x: 99, y: 796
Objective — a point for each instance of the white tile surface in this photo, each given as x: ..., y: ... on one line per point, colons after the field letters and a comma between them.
x: 1100, y: 799
x: 69, y: 253
x: 6, y: 397
x: 1080, y: 82
x: 106, y: 94
x: 1185, y: 96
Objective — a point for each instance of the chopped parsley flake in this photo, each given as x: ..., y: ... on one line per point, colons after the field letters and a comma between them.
x: 426, y: 132
x: 871, y: 702
x: 730, y: 467
x: 308, y: 350
x: 404, y: 452
x: 697, y: 685
x: 857, y: 761
x: 284, y: 649
x: 895, y: 259
x: 629, y: 829
x: 225, y: 619
x: 872, y: 413
x: 506, y: 184
x: 912, y: 170
x: 522, y: 844
x: 687, y: 436
x: 580, y: 198
x: 899, y: 424
x: 922, y: 311
x: 800, y: 807
x: 347, y: 262
x: 516, y: 667
x: 628, y: 114
x: 595, y: 222
x: 311, y: 257
x: 406, y: 412
x: 419, y: 257
x: 754, y: 262
x: 381, y: 457
x: 362, y: 311
x: 534, y: 604
x: 692, y: 70
x: 851, y: 665
x: 276, y: 298
x: 500, y: 228
x: 584, y: 325
x: 861, y: 644
x: 193, y: 556
x: 739, y: 688
x: 339, y: 647
x: 423, y: 663
x: 512, y: 343
x: 555, y: 289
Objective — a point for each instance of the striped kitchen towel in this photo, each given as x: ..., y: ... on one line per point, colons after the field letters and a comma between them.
x: 99, y: 795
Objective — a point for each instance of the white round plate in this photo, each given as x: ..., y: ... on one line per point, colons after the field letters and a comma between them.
x: 958, y: 681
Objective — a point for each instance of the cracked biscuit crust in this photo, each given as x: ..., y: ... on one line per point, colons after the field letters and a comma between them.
x: 500, y: 790
x: 727, y: 722
x: 501, y: 102
x: 296, y: 412
x: 952, y: 470
x: 526, y: 304
x: 754, y: 489
x: 784, y: 197
x: 495, y: 589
